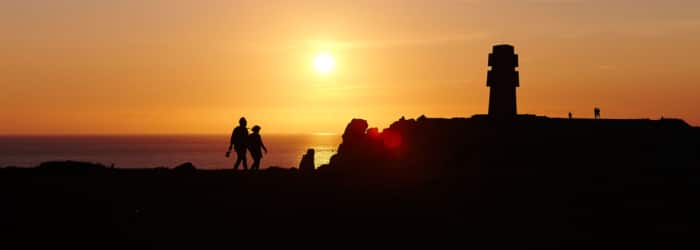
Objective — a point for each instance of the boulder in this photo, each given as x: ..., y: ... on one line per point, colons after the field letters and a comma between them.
x: 71, y: 167
x: 187, y: 167
x: 307, y: 162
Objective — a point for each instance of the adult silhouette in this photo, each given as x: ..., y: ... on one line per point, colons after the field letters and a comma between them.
x: 239, y: 142
x: 596, y: 113
x: 255, y: 144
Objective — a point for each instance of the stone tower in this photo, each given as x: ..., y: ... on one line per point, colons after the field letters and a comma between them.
x: 503, y: 78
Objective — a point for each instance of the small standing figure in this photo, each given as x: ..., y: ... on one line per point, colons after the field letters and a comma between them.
x: 596, y: 113
x: 239, y: 139
x: 570, y: 116
x: 255, y: 144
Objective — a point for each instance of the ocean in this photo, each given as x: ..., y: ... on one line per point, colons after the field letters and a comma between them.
x: 147, y: 151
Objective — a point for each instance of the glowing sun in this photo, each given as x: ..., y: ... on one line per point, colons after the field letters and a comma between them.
x: 324, y: 63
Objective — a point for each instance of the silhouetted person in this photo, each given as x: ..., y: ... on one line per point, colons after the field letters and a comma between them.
x: 255, y: 144
x: 239, y: 139
x: 307, y: 162
x: 596, y: 113
x: 570, y: 116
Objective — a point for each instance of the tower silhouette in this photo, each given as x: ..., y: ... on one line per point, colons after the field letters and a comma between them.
x: 503, y: 78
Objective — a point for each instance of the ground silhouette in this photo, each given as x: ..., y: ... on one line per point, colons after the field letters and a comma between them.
x: 531, y: 182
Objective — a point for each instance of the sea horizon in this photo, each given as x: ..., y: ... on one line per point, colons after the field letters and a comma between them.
x: 205, y: 151
x: 156, y: 134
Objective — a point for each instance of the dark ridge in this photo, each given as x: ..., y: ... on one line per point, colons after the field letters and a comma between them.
x: 431, y: 145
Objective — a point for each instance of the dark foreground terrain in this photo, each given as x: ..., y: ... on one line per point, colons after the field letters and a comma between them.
x: 476, y: 183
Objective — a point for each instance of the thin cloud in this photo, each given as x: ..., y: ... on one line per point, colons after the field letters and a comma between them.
x: 267, y: 47
x: 373, y: 44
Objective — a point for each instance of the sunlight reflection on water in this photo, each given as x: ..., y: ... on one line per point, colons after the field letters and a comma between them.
x: 323, y: 155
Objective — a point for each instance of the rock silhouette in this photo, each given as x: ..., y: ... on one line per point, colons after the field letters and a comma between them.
x: 438, y: 144
x: 187, y: 167
x: 72, y: 167
x: 307, y: 164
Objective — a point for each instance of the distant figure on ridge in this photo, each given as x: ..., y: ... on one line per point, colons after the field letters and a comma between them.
x: 307, y: 162
x: 239, y: 139
x: 255, y: 143
x: 570, y: 116
x: 596, y: 113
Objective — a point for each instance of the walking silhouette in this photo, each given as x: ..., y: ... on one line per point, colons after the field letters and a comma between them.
x: 255, y: 144
x: 239, y: 138
x: 596, y: 113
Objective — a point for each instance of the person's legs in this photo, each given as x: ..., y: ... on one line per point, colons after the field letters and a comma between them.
x: 238, y: 162
x: 256, y: 163
x: 241, y: 158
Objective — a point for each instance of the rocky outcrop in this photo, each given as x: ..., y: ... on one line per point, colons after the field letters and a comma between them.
x: 186, y: 167
x: 71, y: 167
x: 426, y: 146
x: 307, y: 164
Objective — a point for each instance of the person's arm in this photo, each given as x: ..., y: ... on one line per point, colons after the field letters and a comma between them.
x: 230, y: 144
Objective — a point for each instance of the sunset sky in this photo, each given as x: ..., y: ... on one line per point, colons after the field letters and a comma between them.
x: 176, y: 66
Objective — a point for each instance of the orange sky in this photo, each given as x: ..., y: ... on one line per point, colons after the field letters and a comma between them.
x: 176, y: 66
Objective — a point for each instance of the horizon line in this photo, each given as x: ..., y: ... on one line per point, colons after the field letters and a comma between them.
x: 157, y: 134
x: 311, y: 133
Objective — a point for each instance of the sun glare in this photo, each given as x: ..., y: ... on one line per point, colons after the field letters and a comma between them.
x: 324, y: 63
